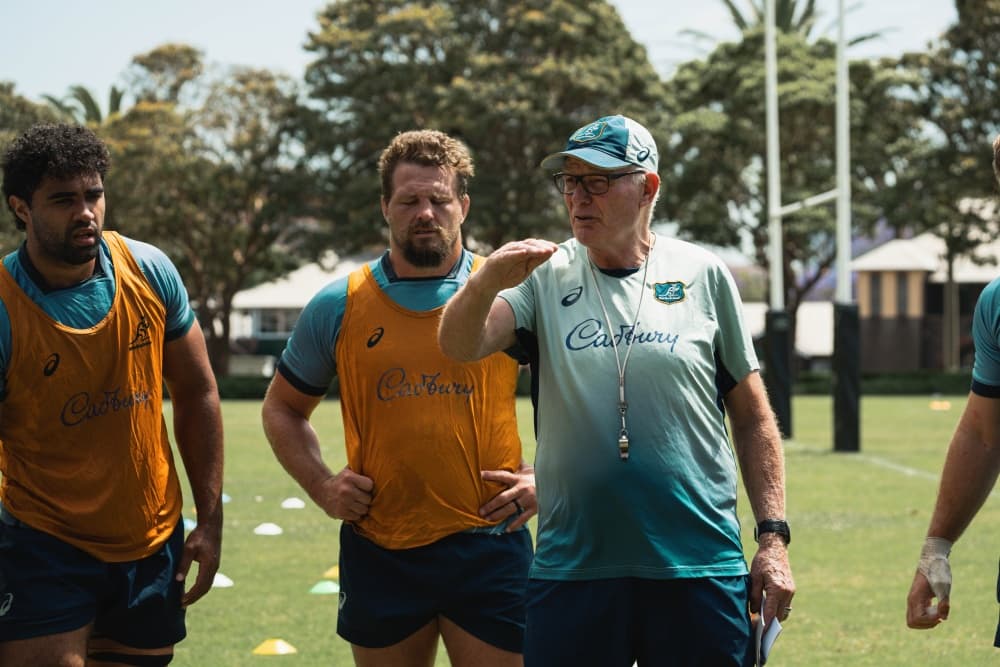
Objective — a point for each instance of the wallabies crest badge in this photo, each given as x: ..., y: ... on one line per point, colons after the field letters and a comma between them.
x: 670, y: 292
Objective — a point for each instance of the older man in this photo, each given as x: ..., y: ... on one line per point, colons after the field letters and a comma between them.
x: 641, y: 353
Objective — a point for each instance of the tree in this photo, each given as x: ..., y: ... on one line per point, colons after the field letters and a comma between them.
x: 511, y: 78
x: 716, y: 185
x: 217, y: 185
x: 162, y: 74
x: 790, y: 16
x: 17, y: 114
x: 948, y: 187
x: 81, y: 107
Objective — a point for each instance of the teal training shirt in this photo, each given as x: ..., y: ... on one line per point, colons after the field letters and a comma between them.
x: 986, y: 338
x: 669, y: 511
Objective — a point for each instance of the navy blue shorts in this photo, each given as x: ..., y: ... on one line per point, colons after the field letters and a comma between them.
x: 49, y: 587
x: 616, y: 622
x: 476, y: 580
x: 996, y: 638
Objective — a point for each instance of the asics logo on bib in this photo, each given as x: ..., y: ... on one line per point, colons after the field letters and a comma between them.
x: 375, y: 337
x: 51, y: 364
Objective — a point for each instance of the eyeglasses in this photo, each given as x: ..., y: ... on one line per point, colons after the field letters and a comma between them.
x: 593, y: 184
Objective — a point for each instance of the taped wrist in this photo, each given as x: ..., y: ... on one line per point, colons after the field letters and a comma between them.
x: 935, y: 567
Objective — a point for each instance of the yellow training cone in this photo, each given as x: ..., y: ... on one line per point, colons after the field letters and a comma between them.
x: 274, y: 647
x: 332, y: 573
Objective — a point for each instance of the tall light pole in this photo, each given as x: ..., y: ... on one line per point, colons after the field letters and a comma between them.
x: 777, y: 324
x: 846, y: 324
x: 778, y: 343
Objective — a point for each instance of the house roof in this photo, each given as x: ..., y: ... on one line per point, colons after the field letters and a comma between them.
x: 295, y: 289
x: 926, y: 253
x: 922, y: 253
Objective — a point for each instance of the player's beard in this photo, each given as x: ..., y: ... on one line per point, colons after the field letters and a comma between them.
x: 425, y: 251
x: 63, y: 249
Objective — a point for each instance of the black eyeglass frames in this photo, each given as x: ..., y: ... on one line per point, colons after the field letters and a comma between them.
x: 593, y: 184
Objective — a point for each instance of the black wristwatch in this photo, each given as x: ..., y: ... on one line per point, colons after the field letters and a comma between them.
x: 779, y: 526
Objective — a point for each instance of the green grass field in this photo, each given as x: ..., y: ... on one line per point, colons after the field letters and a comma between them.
x: 858, y: 521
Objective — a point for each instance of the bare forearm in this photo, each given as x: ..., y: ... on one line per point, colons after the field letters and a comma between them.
x: 198, y: 433
x: 758, y: 448
x: 462, y: 332
x: 296, y: 446
x: 475, y: 323
x: 969, y: 474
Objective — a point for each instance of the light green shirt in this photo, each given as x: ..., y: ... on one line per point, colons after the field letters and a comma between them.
x: 669, y: 511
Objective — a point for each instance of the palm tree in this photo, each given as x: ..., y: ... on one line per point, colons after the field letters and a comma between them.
x: 80, y: 105
x: 790, y: 16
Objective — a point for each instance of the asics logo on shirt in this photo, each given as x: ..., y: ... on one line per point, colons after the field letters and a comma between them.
x: 573, y: 296
x: 375, y: 337
x: 8, y: 602
x: 51, y: 364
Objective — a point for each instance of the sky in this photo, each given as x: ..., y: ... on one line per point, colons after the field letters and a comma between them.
x: 50, y: 45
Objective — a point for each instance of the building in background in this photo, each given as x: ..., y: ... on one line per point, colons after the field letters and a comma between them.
x: 263, y: 316
x: 900, y: 288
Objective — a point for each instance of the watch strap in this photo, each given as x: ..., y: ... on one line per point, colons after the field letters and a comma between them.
x: 779, y: 526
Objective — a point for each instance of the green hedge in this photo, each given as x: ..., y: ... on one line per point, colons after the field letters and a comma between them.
x: 921, y: 383
x: 245, y: 387
x: 253, y: 387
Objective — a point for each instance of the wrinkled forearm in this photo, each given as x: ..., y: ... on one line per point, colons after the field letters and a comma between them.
x: 462, y: 333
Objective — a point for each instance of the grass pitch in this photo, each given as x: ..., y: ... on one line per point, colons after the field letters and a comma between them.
x: 858, y: 521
